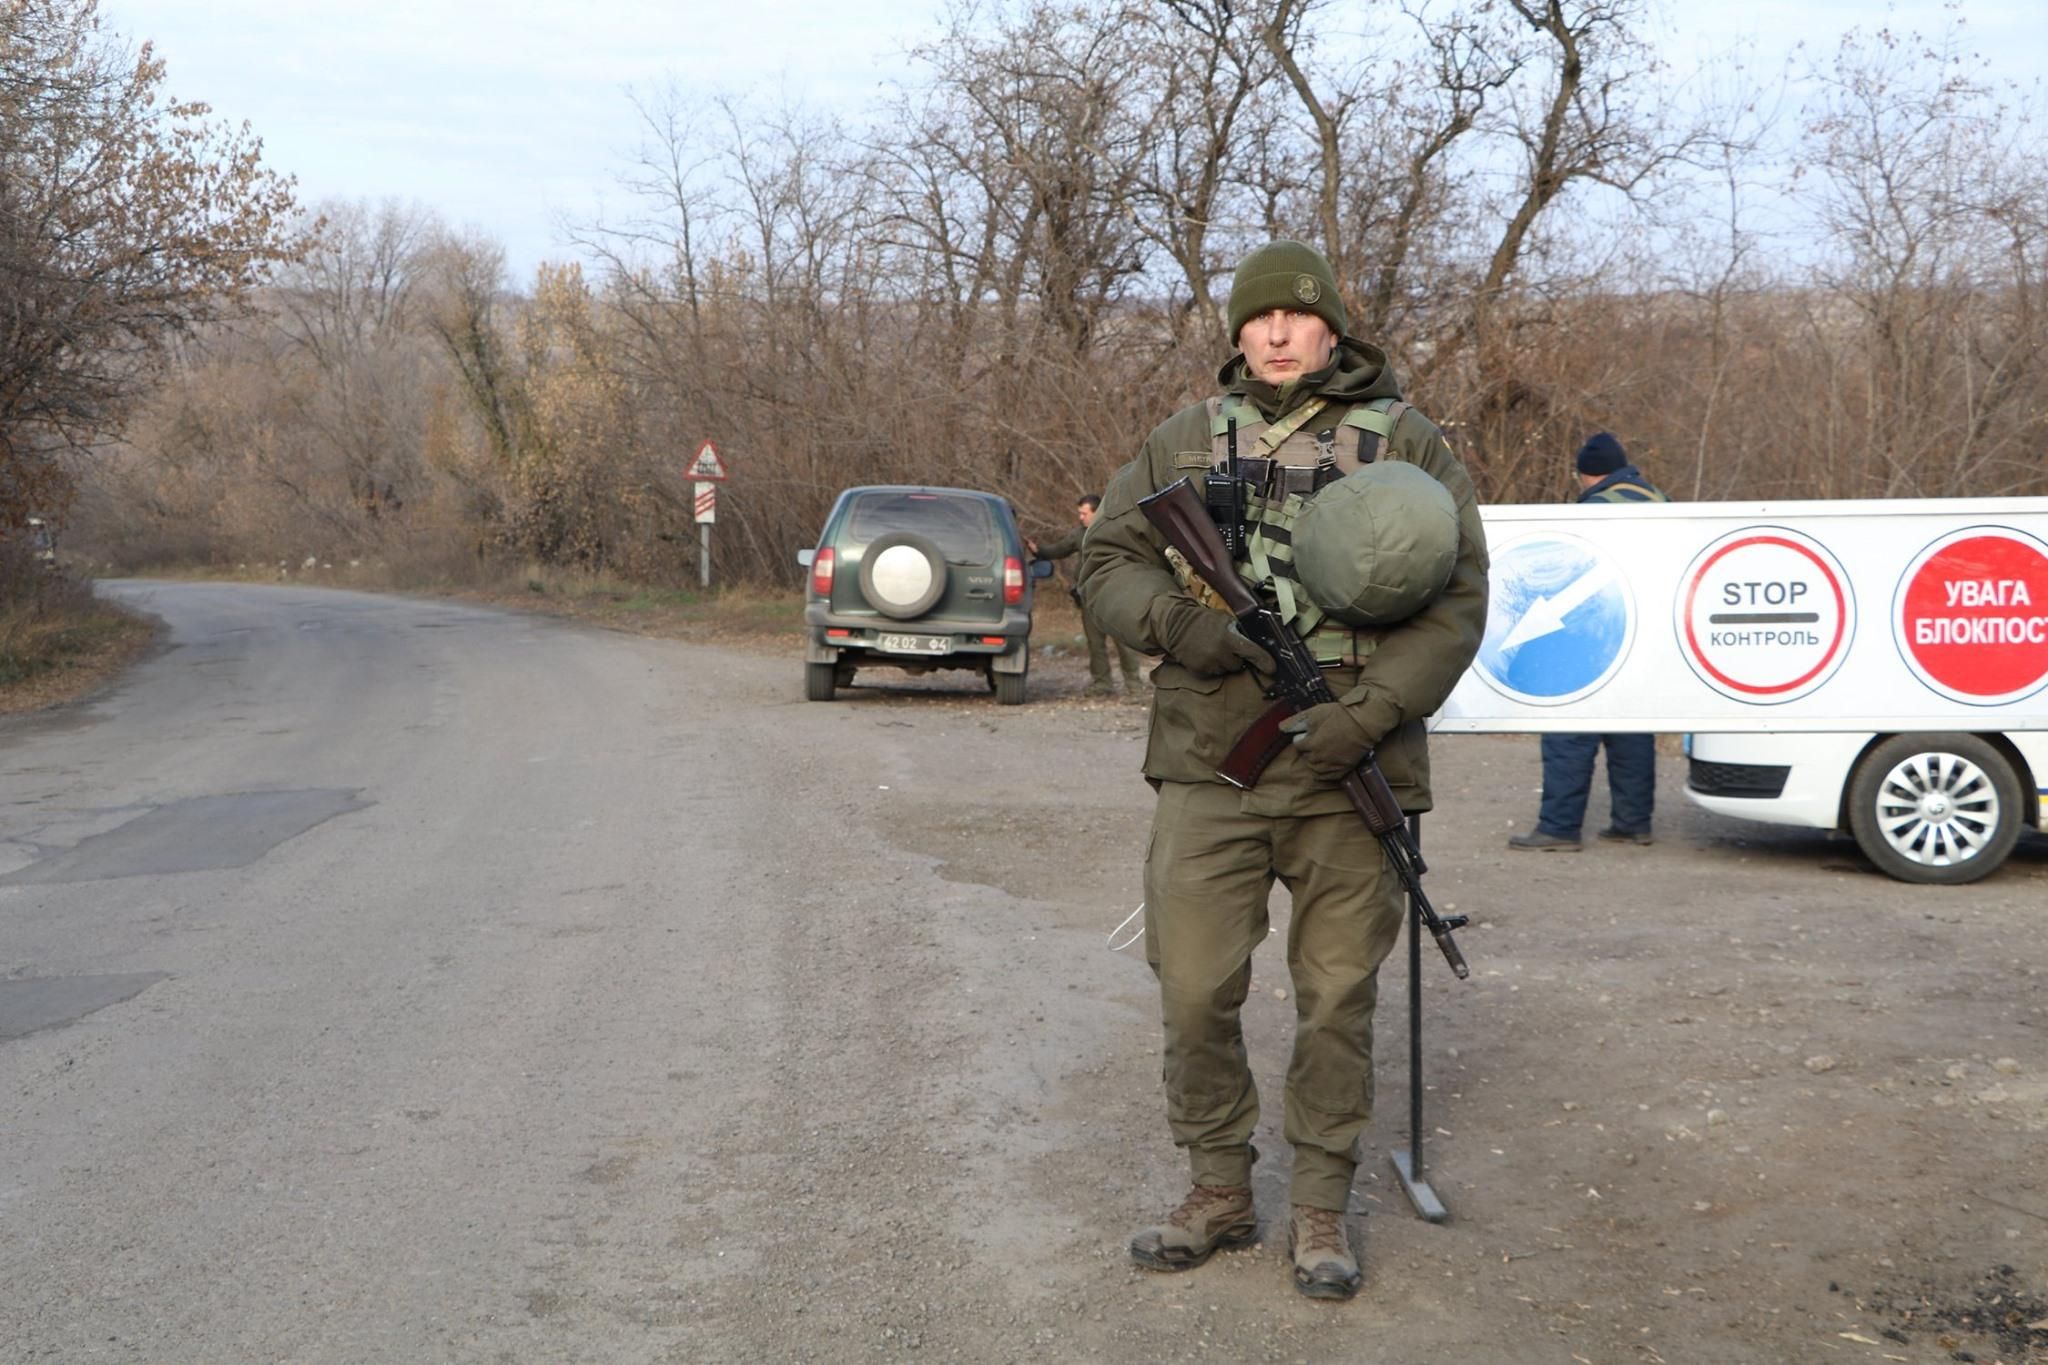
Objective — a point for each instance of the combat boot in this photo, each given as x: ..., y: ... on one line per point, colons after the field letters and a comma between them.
x: 1212, y: 1218
x: 1324, y: 1267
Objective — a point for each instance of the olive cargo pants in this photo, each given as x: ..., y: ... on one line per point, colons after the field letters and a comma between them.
x: 1208, y: 874
x: 1132, y: 661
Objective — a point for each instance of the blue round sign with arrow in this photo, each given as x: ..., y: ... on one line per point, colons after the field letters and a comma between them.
x: 1559, y: 623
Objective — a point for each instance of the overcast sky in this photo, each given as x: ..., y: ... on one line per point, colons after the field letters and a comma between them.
x: 509, y: 115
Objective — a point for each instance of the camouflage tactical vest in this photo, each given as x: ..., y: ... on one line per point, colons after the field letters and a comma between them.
x: 1285, y: 462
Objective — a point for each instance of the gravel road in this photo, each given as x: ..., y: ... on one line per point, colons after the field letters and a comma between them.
x: 387, y: 979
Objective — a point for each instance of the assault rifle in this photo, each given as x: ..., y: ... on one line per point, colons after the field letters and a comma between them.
x: 1182, y: 517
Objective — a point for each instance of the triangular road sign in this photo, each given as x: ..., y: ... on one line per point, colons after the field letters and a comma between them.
x: 707, y: 465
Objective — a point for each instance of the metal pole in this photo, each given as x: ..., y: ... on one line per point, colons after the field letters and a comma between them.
x: 1408, y: 1164
x: 704, y: 555
x: 1415, y: 1022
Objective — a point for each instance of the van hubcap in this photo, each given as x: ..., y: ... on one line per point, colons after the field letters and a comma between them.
x: 1937, y: 809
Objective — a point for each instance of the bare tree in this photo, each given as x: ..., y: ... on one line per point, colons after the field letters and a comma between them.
x: 125, y: 219
x: 347, y: 313
x: 1931, y: 199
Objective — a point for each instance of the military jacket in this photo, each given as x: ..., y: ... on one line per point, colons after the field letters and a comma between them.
x: 1393, y: 678
x: 1061, y: 546
x: 1625, y: 484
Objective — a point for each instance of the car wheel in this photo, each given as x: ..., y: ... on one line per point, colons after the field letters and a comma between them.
x: 819, y: 681
x: 902, y: 575
x: 1009, y: 688
x: 1942, y: 809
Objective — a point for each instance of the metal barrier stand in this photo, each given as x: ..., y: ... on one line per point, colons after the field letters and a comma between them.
x: 1408, y: 1161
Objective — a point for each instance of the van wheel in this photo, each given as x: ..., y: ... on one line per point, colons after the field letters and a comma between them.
x: 1009, y: 688
x: 1942, y: 809
x: 819, y: 681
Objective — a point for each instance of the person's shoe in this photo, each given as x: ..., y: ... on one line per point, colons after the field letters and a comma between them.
x: 1640, y: 838
x: 1212, y: 1218
x: 1548, y: 843
x: 1101, y: 687
x: 1324, y: 1267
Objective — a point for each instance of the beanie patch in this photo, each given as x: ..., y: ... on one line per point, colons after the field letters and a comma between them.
x: 1285, y: 274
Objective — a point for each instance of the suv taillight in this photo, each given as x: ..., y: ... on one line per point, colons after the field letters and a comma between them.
x: 1013, y: 581
x: 821, y: 573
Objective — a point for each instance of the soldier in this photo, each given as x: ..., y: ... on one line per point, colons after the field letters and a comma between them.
x: 1301, y: 404
x: 1605, y: 476
x: 1133, y: 662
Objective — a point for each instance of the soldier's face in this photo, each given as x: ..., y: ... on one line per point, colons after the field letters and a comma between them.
x: 1283, y: 344
x: 1085, y: 513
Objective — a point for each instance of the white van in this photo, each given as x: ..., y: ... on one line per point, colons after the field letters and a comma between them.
x: 1925, y: 807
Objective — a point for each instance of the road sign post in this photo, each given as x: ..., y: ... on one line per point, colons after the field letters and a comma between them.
x: 708, y: 471
x: 707, y: 514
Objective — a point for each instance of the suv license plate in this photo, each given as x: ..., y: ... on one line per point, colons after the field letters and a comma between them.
x: 915, y: 644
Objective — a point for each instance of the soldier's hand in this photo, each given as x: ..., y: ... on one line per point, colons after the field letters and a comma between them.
x: 1209, y: 643
x: 1328, y: 739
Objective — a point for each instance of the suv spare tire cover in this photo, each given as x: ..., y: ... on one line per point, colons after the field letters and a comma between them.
x: 1377, y: 545
x: 902, y: 574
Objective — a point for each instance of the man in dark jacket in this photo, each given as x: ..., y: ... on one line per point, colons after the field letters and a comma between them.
x: 1099, y: 684
x: 1605, y: 476
x: 1306, y: 401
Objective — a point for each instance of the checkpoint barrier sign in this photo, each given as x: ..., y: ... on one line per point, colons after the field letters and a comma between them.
x: 1765, y: 614
x: 1970, y: 616
x: 1886, y: 615
x: 1559, y: 621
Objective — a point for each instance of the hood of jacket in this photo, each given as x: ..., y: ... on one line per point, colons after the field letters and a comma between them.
x: 1358, y: 372
x: 1628, y: 473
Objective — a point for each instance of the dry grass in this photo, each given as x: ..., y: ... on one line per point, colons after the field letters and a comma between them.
x: 58, y: 642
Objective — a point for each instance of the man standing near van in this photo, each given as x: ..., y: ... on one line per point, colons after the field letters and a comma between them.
x: 1605, y: 476
x: 1133, y: 662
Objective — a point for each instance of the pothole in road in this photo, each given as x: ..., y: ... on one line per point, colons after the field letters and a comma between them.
x: 197, y: 834
x: 34, y: 1003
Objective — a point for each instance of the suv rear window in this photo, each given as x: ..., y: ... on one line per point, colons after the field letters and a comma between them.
x: 961, y: 527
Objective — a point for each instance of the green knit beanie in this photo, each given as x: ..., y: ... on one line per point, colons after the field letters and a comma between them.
x: 1285, y: 274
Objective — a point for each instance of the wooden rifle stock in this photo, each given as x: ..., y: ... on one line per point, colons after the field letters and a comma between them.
x: 1183, y: 518
x: 1258, y: 746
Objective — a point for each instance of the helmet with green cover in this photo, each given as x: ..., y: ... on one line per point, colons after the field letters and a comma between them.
x: 1377, y: 546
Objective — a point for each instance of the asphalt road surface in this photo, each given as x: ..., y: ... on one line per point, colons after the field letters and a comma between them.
x: 398, y: 980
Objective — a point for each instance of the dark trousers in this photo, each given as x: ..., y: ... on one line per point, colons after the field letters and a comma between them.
x: 1568, y: 779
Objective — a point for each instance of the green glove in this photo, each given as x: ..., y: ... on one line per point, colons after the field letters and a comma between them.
x: 1328, y: 739
x: 1207, y: 642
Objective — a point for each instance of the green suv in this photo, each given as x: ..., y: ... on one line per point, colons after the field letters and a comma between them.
x: 919, y: 579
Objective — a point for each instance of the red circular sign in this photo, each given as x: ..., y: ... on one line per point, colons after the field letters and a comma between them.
x: 1764, y: 615
x: 1971, y: 618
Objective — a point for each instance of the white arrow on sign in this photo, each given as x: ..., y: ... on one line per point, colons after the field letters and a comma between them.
x: 1546, y: 615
